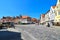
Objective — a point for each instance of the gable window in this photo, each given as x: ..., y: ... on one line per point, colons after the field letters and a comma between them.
x: 55, y: 13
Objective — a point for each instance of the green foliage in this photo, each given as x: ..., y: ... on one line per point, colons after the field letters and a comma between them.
x: 19, y: 22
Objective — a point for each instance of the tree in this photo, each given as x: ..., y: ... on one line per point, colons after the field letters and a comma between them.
x: 20, y: 16
x: 4, y: 17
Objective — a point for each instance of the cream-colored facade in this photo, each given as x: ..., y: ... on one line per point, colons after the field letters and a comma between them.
x: 57, y: 12
x: 42, y: 20
x: 53, y: 14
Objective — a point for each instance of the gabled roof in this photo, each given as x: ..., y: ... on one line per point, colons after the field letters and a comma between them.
x: 34, y: 19
x: 25, y: 17
x: 53, y: 7
x: 43, y: 15
x: 47, y: 11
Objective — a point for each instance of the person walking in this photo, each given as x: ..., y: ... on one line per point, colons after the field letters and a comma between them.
x: 48, y: 25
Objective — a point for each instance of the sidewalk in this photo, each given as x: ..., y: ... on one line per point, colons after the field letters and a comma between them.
x: 56, y: 26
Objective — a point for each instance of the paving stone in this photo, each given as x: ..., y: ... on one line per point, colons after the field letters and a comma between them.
x: 41, y: 32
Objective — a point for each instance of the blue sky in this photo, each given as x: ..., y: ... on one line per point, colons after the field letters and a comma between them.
x: 32, y: 8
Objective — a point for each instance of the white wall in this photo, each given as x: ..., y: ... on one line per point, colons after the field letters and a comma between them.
x: 47, y: 17
x: 51, y: 14
x: 25, y: 21
x: 42, y: 20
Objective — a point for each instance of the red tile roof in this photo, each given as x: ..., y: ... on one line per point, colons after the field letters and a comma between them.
x: 53, y: 7
x: 25, y: 17
x: 43, y: 15
x: 34, y: 19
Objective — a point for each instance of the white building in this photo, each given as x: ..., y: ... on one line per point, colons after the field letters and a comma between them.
x: 47, y: 17
x: 42, y: 20
x: 55, y: 13
x: 52, y: 13
x: 25, y: 19
x: 50, y: 16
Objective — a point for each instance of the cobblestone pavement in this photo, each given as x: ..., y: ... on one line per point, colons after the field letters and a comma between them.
x: 35, y: 32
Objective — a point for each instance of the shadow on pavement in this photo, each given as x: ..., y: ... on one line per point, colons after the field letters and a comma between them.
x: 7, y: 35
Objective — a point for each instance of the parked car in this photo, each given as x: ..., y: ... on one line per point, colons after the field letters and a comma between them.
x: 0, y: 25
x: 7, y: 25
x: 10, y: 24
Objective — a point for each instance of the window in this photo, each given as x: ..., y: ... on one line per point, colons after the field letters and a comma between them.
x: 58, y: 13
x: 59, y: 19
x: 55, y: 20
x: 55, y: 13
x: 57, y: 6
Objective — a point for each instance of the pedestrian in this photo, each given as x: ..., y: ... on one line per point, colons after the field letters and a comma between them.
x: 48, y: 25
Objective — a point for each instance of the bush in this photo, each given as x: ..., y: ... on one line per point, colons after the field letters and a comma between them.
x: 19, y: 23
